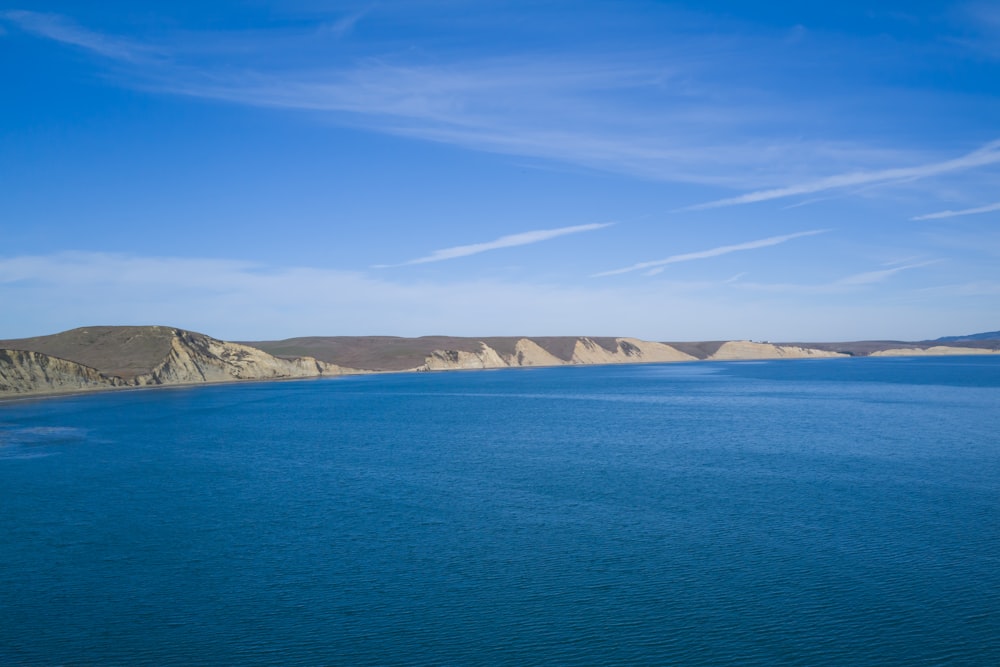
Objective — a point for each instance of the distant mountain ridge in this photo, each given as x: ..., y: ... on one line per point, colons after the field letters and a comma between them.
x: 106, y: 357
x: 988, y: 335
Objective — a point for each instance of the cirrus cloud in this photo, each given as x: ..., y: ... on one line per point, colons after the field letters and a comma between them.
x: 657, y: 265
x: 509, y: 241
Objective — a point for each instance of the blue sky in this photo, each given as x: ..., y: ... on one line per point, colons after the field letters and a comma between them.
x: 672, y: 171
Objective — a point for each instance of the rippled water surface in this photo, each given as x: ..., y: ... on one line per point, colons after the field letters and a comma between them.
x: 829, y: 512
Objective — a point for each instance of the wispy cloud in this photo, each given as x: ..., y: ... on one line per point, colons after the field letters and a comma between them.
x: 985, y: 155
x: 980, y: 288
x: 951, y: 214
x: 870, y: 277
x: 242, y: 300
x: 845, y: 285
x: 248, y: 300
x: 643, y: 110
x: 656, y: 265
x: 344, y: 26
x: 61, y: 29
x: 565, y: 109
x: 650, y: 110
x: 524, y: 238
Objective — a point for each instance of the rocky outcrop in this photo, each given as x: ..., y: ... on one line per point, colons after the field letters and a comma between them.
x: 26, y: 372
x: 441, y: 360
x: 741, y: 350
x: 199, y: 358
x: 192, y: 358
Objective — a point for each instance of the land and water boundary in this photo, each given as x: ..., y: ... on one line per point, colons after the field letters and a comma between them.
x: 104, y: 358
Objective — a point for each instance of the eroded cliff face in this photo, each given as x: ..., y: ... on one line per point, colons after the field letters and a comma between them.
x: 442, y: 360
x: 199, y: 358
x: 25, y: 372
x: 741, y: 350
x: 192, y: 358
x: 630, y: 351
x: 529, y: 353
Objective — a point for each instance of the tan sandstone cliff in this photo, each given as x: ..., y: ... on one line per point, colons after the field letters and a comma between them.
x: 199, y: 358
x: 629, y: 351
x: 26, y: 372
x: 529, y: 353
x: 741, y: 350
x: 190, y: 358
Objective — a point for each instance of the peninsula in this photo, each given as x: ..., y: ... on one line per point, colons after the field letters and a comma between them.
x: 112, y: 357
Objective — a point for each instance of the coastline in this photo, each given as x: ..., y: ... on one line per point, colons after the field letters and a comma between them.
x: 11, y: 398
x: 55, y: 394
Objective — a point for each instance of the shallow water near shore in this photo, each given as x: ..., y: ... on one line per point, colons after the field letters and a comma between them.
x: 814, y: 512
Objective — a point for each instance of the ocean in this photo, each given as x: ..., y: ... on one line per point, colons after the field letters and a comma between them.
x: 801, y: 512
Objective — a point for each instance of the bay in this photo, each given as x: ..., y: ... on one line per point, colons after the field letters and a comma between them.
x: 814, y: 512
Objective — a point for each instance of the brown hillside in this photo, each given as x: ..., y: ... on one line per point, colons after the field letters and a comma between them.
x: 122, y: 351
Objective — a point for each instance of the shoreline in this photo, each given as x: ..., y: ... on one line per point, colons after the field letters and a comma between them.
x: 39, y: 396
x: 154, y: 387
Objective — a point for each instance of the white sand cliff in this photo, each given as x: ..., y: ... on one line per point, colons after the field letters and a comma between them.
x: 630, y: 351
x: 529, y: 353
x: 737, y: 350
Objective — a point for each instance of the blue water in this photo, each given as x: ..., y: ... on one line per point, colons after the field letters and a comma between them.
x: 829, y: 512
